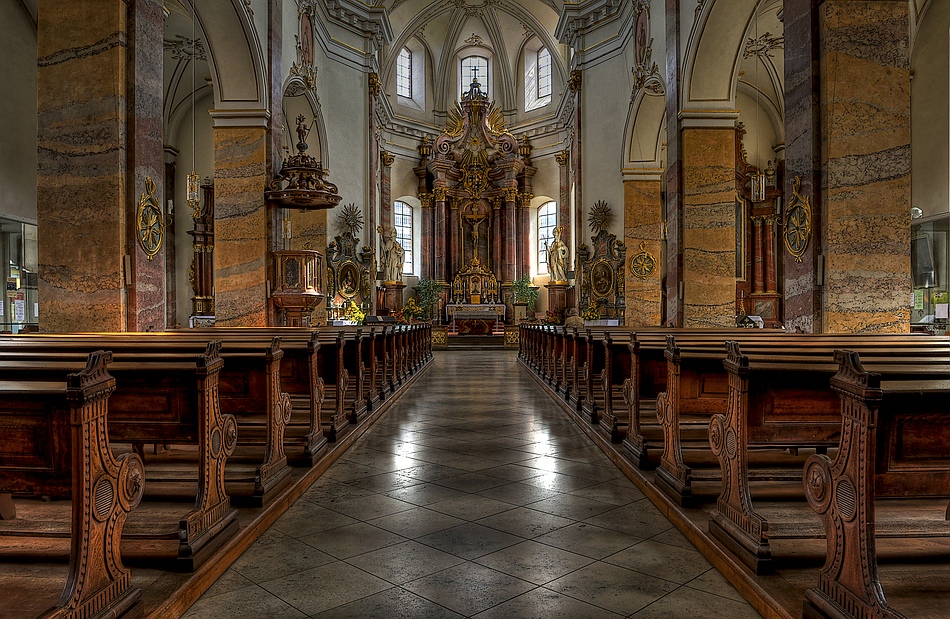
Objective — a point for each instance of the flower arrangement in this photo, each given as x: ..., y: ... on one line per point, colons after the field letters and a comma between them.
x: 354, y: 313
x: 410, y: 311
x: 592, y: 312
x: 551, y: 317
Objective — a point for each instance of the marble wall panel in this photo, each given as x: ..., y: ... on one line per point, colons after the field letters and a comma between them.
x: 240, y: 246
x: 865, y: 107
x: 82, y: 181
x: 643, y: 223
x: 709, y: 235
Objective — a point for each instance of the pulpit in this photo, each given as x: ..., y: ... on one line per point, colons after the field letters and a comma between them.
x: 298, y: 281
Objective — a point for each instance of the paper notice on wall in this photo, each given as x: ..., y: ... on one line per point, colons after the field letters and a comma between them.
x: 919, y: 299
x: 19, y: 310
x: 942, y: 310
x: 36, y: 310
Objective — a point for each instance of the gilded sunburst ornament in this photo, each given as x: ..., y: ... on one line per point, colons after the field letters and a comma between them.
x: 599, y: 217
x: 350, y: 219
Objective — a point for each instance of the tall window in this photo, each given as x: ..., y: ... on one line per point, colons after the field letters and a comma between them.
x: 547, y: 219
x: 404, y: 73
x: 544, y: 73
x: 402, y: 217
x: 474, y: 66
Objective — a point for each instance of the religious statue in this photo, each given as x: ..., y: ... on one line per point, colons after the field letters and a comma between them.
x: 557, y: 257
x: 392, y: 255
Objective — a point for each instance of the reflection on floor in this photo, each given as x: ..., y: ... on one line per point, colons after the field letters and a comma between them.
x: 474, y: 496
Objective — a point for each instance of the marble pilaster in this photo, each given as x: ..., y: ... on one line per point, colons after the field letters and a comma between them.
x: 511, y: 236
x: 241, y: 226
x: 865, y: 109
x: 386, y: 189
x: 801, y: 300
x: 564, y: 196
x: 428, y: 237
x: 83, y: 193
x: 309, y: 231
x: 674, y: 171
x: 709, y: 229
x: 146, y: 299
x: 643, y: 222
x: 441, y: 231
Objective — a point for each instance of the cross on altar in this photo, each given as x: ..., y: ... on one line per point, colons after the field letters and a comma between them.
x: 474, y: 73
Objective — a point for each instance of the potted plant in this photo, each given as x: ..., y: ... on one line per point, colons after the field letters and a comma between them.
x: 523, y: 292
x: 428, y: 291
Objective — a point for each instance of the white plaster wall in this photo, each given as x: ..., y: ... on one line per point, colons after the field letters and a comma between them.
x: 18, y: 123
x: 604, y: 107
x: 344, y: 101
x: 929, y: 116
x: 760, y: 135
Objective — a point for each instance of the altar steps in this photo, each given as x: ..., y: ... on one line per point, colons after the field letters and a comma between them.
x: 475, y: 342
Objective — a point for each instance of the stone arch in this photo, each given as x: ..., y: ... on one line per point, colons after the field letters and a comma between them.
x: 644, y: 131
x: 294, y: 87
x: 235, y: 57
x: 713, y: 54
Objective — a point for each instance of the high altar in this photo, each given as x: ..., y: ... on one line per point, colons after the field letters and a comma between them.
x: 475, y: 189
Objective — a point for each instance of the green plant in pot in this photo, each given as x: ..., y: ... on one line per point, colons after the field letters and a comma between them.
x: 523, y: 292
x: 428, y: 290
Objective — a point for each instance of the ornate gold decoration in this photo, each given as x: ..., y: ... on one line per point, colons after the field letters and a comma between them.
x: 149, y: 221
x: 375, y: 85
x: 511, y: 194
x: 350, y: 219
x: 599, y: 216
x: 426, y: 200
x: 191, y: 194
x: 425, y: 147
x: 524, y: 199
x: 563, y: 157
x: 439, y: 194
x: 602, y: 279
x: 642, y: 264
x: 475, y: 180
x: 574, y: 81
x: 387, y: 158
x: 797, y: 228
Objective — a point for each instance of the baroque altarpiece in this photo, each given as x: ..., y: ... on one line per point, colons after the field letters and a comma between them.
x: 475, y: 190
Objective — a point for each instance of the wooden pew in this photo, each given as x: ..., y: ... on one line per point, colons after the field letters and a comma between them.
x: 55, y: 439
x: 167, y: 399
x: 697, y: 387
x: 894, y: 437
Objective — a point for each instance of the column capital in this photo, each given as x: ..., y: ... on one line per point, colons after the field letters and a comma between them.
x: 563, y: 157
x: 387, y: 158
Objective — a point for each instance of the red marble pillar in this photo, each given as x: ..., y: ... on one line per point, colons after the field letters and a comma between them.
x: 770, y: 278
x: 455, y: 239
x: 497, y: 246
x: 440, y: 197
x: 524, y: 237
x: 511, y: 235
x: 758, y: 264
x: 428, y: 228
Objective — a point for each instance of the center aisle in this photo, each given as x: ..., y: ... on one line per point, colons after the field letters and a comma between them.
x: 473, y: 496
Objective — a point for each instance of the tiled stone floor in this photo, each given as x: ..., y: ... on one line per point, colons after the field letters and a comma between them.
x: 473, y: 496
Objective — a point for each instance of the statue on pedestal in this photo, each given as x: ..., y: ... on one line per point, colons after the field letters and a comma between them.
x: 557, y: 257
x: 392, y: 255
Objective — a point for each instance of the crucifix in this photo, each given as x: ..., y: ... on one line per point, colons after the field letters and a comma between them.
x: 474, y: 73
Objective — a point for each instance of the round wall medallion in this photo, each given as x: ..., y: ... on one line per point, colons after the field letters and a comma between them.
x: 642, y: 264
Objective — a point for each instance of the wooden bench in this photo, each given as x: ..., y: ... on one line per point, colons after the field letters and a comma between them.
x: 894, y: 437
x: 783, y: 398
x: 163, y: 398
x: 54, y: 439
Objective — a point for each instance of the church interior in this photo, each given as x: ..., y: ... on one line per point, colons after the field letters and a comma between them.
x: 605, y: 308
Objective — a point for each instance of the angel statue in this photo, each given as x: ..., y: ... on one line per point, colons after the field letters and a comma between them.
x: 392, y: 255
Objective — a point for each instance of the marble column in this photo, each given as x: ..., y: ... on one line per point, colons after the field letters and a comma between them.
x: 440, y: 256
x: 511, y: 234
x: 241, y: 223
x: 97, y: 62
x: 524, y: 236
x: 456, y: 239
x: 497, y: 246
x: 801, y: 300
x: 709, y: 228
x: 643, y: 224
x: 428, y: 236
x: 865, y: 109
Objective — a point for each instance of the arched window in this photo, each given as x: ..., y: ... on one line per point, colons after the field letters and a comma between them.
x: 544, y: 73
x: 472, y: 67
x: 402, y: 219
x: 404, y: 73
x: 547, y: 219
